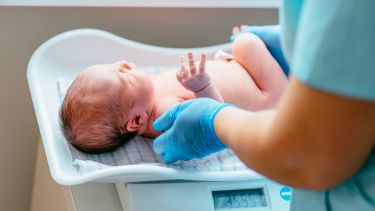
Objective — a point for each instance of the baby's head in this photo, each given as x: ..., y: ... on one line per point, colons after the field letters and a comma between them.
x: 106, y: 105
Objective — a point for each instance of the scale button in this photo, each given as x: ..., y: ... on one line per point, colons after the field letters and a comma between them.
x: 286, y: 193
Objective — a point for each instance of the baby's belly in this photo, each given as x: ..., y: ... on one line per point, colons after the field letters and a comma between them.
x: 235, y: 84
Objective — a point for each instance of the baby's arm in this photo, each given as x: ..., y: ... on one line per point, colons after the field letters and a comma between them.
x: 252, y: 54
x: 197, y: 81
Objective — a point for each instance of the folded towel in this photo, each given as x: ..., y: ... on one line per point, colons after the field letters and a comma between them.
x: 139, y: 151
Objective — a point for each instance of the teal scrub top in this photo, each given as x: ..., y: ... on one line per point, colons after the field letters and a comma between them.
x: 330, y: 46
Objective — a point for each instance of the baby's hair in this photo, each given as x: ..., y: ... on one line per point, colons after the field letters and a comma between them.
x: 90, y: 124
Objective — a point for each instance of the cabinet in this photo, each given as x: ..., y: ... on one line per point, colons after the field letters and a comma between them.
x: 48, y: 195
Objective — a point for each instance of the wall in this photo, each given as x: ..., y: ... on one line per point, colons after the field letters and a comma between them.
x: 24, y: 29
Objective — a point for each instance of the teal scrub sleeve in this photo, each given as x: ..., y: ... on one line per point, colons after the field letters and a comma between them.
x: 335, y: 47
x: 334, y: 51
x: 356, y: 193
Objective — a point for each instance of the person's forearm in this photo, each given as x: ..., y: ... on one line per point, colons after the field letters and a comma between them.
x: 234, y: 127
x: 311, y: 140
x: 210, y: 92
x: 263, y: 152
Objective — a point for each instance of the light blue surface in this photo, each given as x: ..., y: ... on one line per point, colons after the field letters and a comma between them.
x: 330, y: 46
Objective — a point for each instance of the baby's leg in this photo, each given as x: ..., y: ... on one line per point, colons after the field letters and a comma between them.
x: 252, y: 54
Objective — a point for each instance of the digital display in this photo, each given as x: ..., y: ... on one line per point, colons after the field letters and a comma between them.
x: 247, y: 198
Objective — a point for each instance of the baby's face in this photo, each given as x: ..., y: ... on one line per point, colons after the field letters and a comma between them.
x: 136, y: 89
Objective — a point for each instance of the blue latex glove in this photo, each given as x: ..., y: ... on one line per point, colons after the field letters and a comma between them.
x: 271, y: 37
x: 189, y: 130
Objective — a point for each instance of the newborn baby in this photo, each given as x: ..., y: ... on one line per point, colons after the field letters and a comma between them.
x: 110, y: 103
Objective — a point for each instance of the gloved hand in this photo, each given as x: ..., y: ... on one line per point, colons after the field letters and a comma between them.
x: 188, y: 130
x: 270, y: 35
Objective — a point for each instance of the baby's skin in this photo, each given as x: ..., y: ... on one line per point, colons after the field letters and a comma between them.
x: 251, y: 79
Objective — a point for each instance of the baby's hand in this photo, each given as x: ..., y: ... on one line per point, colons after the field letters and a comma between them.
x: 191, y: 78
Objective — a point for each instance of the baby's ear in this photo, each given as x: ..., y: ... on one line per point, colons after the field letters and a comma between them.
x: 133, y: 123
x: 137, y: 122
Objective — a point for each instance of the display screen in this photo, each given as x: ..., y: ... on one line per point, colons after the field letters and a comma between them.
x: 247, y: 198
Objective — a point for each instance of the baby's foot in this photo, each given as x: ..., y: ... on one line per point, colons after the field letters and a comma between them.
x: 191, y: 78
x: 237, y: 29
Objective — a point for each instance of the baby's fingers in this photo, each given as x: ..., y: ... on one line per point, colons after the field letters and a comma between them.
x: 202, y: 64
x: 182, y: 74
x: 193, y: 68
x: 179, y: 77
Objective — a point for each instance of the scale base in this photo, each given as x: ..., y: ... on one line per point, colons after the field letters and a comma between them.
x: 251, y: 195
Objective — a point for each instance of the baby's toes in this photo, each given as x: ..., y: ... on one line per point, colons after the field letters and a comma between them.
x: 243, y: 27
x: 235, y: 30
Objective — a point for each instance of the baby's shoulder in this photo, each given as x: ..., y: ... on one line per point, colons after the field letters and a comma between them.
x: 166, y: 103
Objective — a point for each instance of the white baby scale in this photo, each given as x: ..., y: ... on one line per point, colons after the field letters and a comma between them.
x: 219, y: 182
